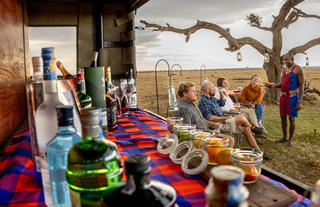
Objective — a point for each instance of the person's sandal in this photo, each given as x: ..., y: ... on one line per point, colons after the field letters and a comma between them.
x: 266, y: 157
x: 290, y: 144
x: 283, y: 140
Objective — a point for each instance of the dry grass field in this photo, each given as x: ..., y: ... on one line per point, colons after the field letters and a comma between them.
x: 146, y: 87
x: 301, y: 162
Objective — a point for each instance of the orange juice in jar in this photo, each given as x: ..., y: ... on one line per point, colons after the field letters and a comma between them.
x: 198, y: 136
x: 213, y: 146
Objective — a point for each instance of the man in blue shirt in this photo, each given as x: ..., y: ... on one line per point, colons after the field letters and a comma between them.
x: 210, y: 109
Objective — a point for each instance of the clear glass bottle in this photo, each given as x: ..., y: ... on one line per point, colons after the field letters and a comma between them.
x: 93, y: 164
x: 47, y: 127
x: 315, y: 195
x: 111, y: 102
x: 85, y: 99
x: 57, y: 155
x: 131, y: 92
x: 139, y: 190
x: 173, y: 105
x: 35, y: 98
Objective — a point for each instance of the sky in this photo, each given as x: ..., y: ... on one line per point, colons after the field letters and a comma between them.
x: 205, y: 47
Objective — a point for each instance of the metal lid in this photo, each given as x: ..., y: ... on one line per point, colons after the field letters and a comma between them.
x: 91, y: 116
x: 90, y: 130
x: 167, y: 144
x: 181, y: 151
x: 195, y: 162
x: 137, y: 164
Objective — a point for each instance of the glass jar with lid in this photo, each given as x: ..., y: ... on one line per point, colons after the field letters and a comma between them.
x: 249, y: 160
x: 184, y: 131
x: 172, y: 122
x: 167, y: 144
x: 198, y: 136
x: 213, y: 146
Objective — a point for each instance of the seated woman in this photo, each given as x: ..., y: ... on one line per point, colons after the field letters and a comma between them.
x: 229, y: 106
x: 252, y: 96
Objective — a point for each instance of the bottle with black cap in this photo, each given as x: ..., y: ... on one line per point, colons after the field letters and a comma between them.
x: 57, y: 155
x: 139, y: 190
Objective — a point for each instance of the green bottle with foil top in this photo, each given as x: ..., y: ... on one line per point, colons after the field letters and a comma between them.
x: 93, y: 164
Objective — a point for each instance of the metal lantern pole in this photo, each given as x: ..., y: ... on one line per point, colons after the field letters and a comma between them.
x: 156, y: 79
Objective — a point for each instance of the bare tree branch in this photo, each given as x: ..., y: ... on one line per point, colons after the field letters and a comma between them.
x: 305, y: 15
x: 233, y: 43
x: 305, y: 47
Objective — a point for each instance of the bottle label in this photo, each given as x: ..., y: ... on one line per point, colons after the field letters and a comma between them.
x: 46, y: 181
x: 104, y: 116
x: 132, y: 100
x: 112, y: 115
x: 75, y: 198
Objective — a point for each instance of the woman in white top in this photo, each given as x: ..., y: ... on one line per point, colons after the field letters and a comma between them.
x: 230, y: 106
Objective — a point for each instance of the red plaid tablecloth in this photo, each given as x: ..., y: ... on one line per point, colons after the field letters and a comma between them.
x: 134, y: 135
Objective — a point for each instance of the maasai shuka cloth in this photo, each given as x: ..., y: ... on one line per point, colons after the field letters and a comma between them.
x: 289, y: 100
x: 135, y: 134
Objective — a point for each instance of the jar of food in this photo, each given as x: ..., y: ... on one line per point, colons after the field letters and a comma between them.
x: 172, y: 122
x: 213, y: 146
x: 198, y: 136
x: 184, y: 131
x: 249, y: 160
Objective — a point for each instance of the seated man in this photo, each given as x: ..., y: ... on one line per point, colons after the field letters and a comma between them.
x: 252, y: 94
x: 210, y: 108
x: 229, y: 106
x: 190, y: 112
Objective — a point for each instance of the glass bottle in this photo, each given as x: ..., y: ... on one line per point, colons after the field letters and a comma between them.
x: 46, y: 128
x: 35, y: 98
x: 57, y: 154
x: 172, y: 99
x: 94, y: 59
x: 131, y: 92
x: 85, y: 99
x: 139, y: 190
x: 63, y: 70
x: 315, y: 195
x: 93, y: 163
x: 111, y: 102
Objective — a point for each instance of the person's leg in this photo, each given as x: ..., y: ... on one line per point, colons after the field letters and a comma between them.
x: 259, y: 113
x: 251, y: 116
x: 292, y: 128
x: 250, y: 138
x: 231, y: 140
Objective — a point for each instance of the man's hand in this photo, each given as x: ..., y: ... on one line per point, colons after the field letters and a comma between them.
x: 218, y: 125
x: 298, y: 106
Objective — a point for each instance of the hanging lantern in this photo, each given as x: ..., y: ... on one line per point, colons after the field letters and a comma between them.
x: 239, y: 56
x: 307, y: 61
x: 266, y: 57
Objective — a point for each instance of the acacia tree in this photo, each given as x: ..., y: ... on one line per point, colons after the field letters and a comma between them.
x: 288, y: 15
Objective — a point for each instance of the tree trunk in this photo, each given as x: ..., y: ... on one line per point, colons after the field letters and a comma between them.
x: 273, y: 71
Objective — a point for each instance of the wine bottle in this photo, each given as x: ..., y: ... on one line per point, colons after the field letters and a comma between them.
x: 94, y: 59
x: 139, y: 190
x: 63, y: 70
x: 85, y: 99
x: 57, y: 153
x: 111, y: 102
x: 93, y: 163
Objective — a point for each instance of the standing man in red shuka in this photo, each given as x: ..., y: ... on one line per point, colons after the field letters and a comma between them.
x: 292, y: 88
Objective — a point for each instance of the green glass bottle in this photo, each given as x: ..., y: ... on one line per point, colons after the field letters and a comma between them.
x: 93, y: 164
x: 85, y: 99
